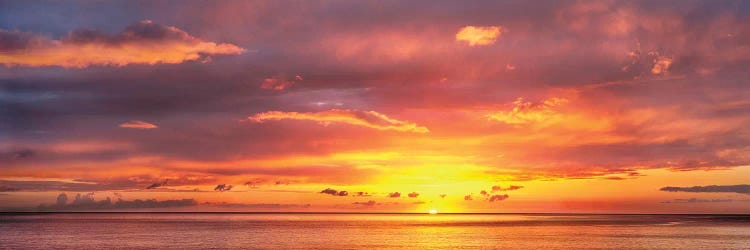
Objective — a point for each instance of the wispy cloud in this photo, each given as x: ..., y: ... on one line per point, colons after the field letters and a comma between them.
x: 138, y: 125
x: 525, y: 112
x: 143, y: 42
x: 370, y: 119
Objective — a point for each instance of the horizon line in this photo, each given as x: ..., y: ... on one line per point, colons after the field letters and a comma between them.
x: 353, y: 213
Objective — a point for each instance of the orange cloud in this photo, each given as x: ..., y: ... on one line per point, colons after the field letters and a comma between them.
x: 370, y: 119
x: 661, y: 65
x: 143, y: 42
x: 479, y: 35
x: 138, y: 125
x: 525, y: 112
x: 279, y: 83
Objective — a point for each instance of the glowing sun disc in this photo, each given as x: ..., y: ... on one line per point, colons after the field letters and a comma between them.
x: 433, y: 211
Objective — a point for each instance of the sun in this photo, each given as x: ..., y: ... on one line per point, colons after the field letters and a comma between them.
x: 433, y: 211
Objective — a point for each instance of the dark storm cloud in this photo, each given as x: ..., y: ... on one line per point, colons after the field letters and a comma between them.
x: 740, y: 189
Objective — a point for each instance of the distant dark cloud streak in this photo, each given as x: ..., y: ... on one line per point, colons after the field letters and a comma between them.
x: 740, y: 189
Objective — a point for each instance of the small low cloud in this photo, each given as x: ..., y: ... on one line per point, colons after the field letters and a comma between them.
x: 479, y: 35
x: 223, y: 187
x: 369, y: 203
x: 279, y: 82
x: 138, y: 125
x: 498, y: 197
x: 740, y: 189
x: 156, y: 185
x: 369, y: 119
x: 334, y: 192
x: 254, y: 183
x: 468, y: 198
x: 394, y: 195
x: 413, y: 195
x: 443, y: 195
x: 509, y: 188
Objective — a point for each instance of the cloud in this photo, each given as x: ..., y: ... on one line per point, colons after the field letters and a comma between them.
x: 498, y: 197
x: 525, y: 112
x: 394, y: 195
x: 143, y: 42
x: 334, y: 192
x: 138, y: 125
x: 254, y: 183
x: 4, y: 188
x: 156, y: 185
x: 49, y: 185
x: 468, y: 197
x: 661, y: 65
x: 509, y: 188
x: 223, y: 187
x: 264, y: 206
x: 370, y: 119
x: 368, y: 203
x: 740, y: 189
x: 698, y: 200
x: 87, y: 202
x: 413, y: 195
x: 443, y: 195
x: 479, y: 35
x: 279, y: 82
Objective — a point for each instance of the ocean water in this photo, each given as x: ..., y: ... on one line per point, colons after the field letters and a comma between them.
x: 371, y: 231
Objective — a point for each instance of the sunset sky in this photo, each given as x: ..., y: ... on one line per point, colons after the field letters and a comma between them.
x: 375, y: 106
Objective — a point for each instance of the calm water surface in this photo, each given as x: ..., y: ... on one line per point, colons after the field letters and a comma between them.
x: 371, y: 231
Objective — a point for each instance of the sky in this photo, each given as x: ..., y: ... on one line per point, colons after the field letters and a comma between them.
x: 375, y: 106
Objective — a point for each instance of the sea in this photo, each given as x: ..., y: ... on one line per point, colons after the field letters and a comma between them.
x: 370, y: 231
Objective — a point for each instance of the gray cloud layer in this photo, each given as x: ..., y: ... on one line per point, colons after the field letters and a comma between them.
x: 740, y: 189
